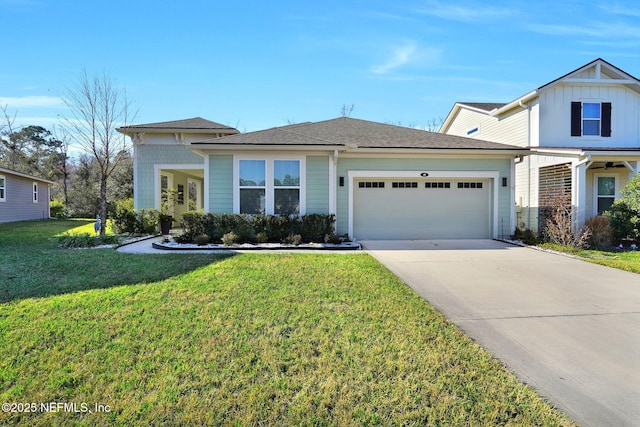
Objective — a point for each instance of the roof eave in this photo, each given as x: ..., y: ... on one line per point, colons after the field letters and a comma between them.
x: 515, y: 103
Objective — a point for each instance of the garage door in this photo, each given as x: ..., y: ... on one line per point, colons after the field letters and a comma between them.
x: 422, y: 209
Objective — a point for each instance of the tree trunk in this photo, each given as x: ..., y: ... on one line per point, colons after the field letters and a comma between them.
x: 103, y: 203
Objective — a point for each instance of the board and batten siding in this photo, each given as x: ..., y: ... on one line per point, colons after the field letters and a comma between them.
x: 146, y: 157
x: 555, y: 116
x: 220, y: 192
x: 318, y: 184
x: 18, y: 204
x: 415, y: 163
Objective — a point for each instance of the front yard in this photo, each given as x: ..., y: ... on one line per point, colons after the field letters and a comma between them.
x: 250, y: 339
x: 622, y: 260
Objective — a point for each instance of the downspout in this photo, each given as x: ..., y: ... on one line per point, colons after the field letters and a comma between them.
x: 528, y: 144
x: 333, y: 185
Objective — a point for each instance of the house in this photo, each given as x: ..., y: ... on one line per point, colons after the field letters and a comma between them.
x: 583, y: 130
x: 22, y: 196
x: 381, y: 181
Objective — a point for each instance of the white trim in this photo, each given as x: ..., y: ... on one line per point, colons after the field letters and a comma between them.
x: 616, y: 195
x: 333, y: 178
x: 206, y: 178
x: 3, y: 198
x: 136, y: 190
x: 493, y: 175
x: 35, y: 192
x: 269, y: 187
x: 166, y: 166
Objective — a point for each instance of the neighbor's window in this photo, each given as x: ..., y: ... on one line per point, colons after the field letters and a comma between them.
x: 286, y: 183
x: 591, y: 119
x: 35, y: 192
x: 252, y: 186
x: 3, y: 184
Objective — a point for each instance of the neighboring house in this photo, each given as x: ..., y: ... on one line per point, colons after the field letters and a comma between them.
x: 22, y: 196
x: 381, y: 181
x: 583, y: 130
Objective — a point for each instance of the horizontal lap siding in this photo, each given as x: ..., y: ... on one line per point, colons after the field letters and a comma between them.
x: 318, y: 184
x: 220, y: 184
x: 18, y: 204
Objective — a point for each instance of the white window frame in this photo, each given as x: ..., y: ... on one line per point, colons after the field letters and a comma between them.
x: 269, y: 186
x: 616, y: 194
x: 589, y: 119
x: 35, y: 192
x: 3, y: 189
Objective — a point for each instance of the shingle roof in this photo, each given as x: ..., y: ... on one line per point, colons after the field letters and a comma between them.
x: 193, y: 123
x: 351, y: 132
x: 484, y: 106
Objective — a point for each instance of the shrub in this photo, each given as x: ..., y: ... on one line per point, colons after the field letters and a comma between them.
x: 332, y: 238
x: 262, y: 237
x: 201, y: 240
x: 315, y: 226
x: 624, y: 219
x: 126, y: 220
x: 559, y: 227
x: 57, y: 209
x: 229, y: 238
x: 86, y: 240
x: 601, y: 231
x: 293, y: 239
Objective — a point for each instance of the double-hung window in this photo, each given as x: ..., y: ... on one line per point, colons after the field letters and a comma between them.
x: 35, y: 192
x: 269, y: 186
x: 3, y: 188
x: 591, y: 119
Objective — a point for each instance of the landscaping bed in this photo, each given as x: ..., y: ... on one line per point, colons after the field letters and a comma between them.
x: 172, y: 245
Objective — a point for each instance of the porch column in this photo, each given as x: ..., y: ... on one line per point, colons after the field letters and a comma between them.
x: 579, y: 192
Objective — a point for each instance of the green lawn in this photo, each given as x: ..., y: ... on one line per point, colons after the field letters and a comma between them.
x: 252, y: 339
x: 623, y: 260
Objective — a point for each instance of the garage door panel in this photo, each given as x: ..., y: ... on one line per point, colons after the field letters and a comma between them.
x: 420, y: 212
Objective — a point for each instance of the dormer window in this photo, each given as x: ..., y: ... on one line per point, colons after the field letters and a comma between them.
x: 591, y: 119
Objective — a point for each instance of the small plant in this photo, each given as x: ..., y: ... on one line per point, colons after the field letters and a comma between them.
x: 560, y: 227
x: 86, y: 240
x: 601, y: 231
x: 292, y: 239
x: 262, y: 237
x: 229, y: 238
x: 201, y: 240
x: 332, y: 238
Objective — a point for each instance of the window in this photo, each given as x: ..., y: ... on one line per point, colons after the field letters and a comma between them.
x: 437, y: 185
x: 404, y: 185
x: 606, y: 187
x: 35, y: 192
x: 3, y: 188
x: 269, y: 186
x: 591, y: 119
x: 370, y: 184
x: 286, y: 183
x: 470, y: 185
x: 252, y: 186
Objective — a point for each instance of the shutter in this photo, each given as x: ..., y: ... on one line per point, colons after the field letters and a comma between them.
x: 576, y: 119
x: 606, y: 119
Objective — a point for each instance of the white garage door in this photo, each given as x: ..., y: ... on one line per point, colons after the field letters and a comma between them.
x: 422, y: 209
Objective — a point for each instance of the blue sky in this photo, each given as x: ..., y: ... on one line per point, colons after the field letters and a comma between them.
x: 259, y: 64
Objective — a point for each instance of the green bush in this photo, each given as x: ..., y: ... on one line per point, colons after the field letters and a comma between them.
x: 251, y: 228
x: 126, y: 220
x: 57, y: 209
x: 86, y: 240
x: 625, y: 220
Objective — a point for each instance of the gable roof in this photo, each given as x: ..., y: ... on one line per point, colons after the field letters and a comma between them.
x: 603, y: 73
x: 345, y: 132
x: 24, y: 175
x: 194, y: 124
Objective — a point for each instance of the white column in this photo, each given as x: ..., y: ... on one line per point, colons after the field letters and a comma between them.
x: 579, y: 192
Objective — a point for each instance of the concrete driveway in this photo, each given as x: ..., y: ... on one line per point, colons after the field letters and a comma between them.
x: 568, y: 328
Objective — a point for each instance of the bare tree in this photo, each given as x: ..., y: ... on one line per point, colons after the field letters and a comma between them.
x: 97, y: 107
x: 346, y: 110
x: 8, y: 151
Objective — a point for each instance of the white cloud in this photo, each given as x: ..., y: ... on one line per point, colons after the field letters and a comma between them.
x: 31, y: 102
x: 447, y: 10
x: 407, y: 53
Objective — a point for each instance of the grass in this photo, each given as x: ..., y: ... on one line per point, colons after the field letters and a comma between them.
x: 251, y: 339
x: 622, y: 260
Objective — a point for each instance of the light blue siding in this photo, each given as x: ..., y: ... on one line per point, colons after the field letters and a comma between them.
x: 503, y: 166
x: 18, y: 204
x: 318, y: 184
x: 221, y: 183
x: 146, y: 156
